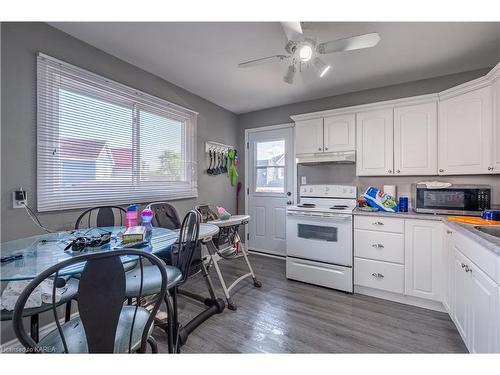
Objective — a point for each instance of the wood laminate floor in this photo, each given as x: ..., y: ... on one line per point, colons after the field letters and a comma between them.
x: 286, y: 316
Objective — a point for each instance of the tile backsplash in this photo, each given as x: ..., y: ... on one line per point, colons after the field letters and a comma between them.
x: 345, y: 174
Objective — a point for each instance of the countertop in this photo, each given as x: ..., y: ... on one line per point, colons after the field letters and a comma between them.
x: 489, y: 242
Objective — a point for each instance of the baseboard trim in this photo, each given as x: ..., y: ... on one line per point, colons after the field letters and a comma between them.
x: 266, y: 254
x: 400, y: 298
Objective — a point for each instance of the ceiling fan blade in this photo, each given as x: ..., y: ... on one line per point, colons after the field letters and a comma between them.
x: 263, y: 60
x: 349, y: 44
x: 293, y: 30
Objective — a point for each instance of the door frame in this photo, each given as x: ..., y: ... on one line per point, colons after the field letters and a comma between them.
x: 294, y: 166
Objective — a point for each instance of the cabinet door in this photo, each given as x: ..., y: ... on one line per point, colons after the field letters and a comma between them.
x: 339, y: 133
x: 374, y: 143
x: 461, y: 294
x: 309, y: 136
x: 465, y: 133
x: 423, y: 259
x: 496, y: 127
x: 415, y: 139
x: 483, y: 312
x: 448, y: 265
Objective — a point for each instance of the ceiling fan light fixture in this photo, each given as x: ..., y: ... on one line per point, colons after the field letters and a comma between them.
x: 290, y: 73
x: 305, y: 52
x: 321, y: 67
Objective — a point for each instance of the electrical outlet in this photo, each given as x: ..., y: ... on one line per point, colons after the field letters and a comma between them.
x: 19, y: 198
x: 303, y: 180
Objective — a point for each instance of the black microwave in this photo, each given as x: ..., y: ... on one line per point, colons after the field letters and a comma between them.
x: 455, y: 199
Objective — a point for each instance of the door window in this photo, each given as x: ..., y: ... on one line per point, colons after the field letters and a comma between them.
x: 270, y: 167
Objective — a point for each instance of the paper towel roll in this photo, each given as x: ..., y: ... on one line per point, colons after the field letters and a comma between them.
x: 390, y: 189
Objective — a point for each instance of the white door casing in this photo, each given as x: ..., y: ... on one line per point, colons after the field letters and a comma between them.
x: 268, y: 194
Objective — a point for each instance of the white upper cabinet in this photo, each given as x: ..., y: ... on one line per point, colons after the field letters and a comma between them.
x: 374, y: 143
x: 496, y: 127
x: 465, y: 133
x: 339, y: 133
x: 415, y: 139
x: 309, y: 136
x: 423, y: 259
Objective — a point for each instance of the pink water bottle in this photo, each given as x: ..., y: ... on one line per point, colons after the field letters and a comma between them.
x: 132, y: 217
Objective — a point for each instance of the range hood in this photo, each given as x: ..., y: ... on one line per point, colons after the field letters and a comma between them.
x: 323, y: 157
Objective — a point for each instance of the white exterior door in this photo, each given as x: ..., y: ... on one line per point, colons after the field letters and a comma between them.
x: 339, y: 133
x: 465, y: 133
x: 374, y: 143
x: 309, y: 136
x: 269, y: 188
x: 423, y: 253
x: 415, y: 139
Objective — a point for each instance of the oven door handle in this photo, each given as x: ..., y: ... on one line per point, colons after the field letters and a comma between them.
x: 337, y: 217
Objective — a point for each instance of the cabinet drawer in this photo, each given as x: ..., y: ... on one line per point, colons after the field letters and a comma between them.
x: 379, y: 275
x: 380, y: 224
x: 384, y: 246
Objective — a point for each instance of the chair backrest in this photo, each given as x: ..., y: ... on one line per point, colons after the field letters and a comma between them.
x: 165, y: 215
x: 183, y: 252
x: 101, y: 296
x: 208, y: 212
x: 101, y: 216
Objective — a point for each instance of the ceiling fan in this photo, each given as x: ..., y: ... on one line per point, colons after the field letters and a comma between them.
x: 304, y: 50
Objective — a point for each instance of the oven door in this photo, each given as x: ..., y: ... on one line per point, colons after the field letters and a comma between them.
x: 316, y: 237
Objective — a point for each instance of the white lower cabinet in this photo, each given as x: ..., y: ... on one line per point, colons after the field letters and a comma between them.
x: 476, y: 306
x: 448, y: 267
x: 423, y: 259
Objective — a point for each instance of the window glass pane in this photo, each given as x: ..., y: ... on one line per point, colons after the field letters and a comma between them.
x: 270, y: 180
x: 270, y: 153
x: 160, y: 150
x: 95, y: 140
x: 317, y: 232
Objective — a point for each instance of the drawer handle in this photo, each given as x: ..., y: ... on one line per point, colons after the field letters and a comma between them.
x: 378, y: 246
x: 377, y: 275
x: 378, y: 223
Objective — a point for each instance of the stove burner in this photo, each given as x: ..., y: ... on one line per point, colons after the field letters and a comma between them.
x: 339, y: 207
x: 307, y: 205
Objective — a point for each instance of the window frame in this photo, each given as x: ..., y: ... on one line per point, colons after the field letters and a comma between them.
x: 54, y: 75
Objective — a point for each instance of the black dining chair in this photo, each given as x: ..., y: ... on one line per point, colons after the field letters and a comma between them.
x: 181, y: 259
x: 101, y: 216
x: 104, y: 324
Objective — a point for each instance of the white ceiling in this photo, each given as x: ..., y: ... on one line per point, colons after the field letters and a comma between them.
x: 203, y: 57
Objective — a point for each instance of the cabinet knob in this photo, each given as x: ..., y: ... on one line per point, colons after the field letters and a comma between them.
x: 449, y: 232
x: 398, y: 171
x: 319, y: 148
x: 463, y: 265
x: 389, y: 171
x: 490, y: 168
x: 326, y: 148
x: 441, y: 170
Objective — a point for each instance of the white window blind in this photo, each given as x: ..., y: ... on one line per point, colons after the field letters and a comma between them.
x: 100, y: 142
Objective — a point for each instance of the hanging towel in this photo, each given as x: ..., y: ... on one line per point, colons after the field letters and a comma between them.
x: 41, y: 294
x: 435, y: 184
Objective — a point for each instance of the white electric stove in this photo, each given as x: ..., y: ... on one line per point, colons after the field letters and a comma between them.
x: 319, y: 236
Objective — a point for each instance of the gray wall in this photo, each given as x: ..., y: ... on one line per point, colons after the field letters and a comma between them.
x: 327, y: 174
x: 20, y: 43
